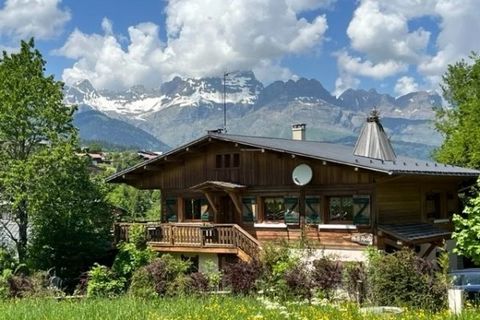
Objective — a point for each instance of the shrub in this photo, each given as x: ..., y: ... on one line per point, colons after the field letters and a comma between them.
x: 199, y: 283
x: 355, y: 280
x: 242, y: 276
x: 7, y: 259
x: 403, y: 279
x: 213, y: 275
x: 131, y: 258
x: 277, y: 260
x: 164, y: 275
x: 142, y: 284
x: 299, y: 282
x: 327, y: 275
x: 137, y: 236
x: 103, y: 282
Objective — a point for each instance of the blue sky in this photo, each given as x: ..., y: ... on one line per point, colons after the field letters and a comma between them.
x: 394, y: 46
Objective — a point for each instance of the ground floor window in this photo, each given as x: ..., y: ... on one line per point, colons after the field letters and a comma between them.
x: 195, y: 208
x: 274, y: 209
x: 340, y: 209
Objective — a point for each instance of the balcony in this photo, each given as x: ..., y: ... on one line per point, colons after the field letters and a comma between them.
x: 195, y: 237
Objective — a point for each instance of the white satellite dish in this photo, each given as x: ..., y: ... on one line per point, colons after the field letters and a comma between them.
x: 302, y: 175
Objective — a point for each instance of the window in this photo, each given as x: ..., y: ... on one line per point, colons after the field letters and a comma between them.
x: 274, y: 209
x: 218, y: 161
x: 340, y: 209
x: 312, y: 210
x: 432, y: 205
x: 195, y: 208
x: 226, y: 160
x: 171, y: 210
x: 236, y: 160
x: 249, y: 206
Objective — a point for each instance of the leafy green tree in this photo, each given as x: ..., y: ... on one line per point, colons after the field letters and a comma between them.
x: 138, y: 204
x: 460, y: 124
x: 467, y: 229
x: 70, y: 221
x: 32, y: 118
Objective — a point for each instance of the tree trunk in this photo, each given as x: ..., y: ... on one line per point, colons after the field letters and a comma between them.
x: 22, y: 233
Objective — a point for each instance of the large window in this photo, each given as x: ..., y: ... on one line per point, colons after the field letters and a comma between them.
x: 195, y: 208
x: 340, y: 209
x: 274, y: 209
x: 281, y: 210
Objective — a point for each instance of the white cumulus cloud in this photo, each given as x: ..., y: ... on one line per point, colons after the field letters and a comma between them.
x: 381, y: 34
x: 204, y: 38
x: 405, y: 85
x: 42, y: 19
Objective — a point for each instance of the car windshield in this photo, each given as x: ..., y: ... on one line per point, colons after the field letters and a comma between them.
x: 466, y: 279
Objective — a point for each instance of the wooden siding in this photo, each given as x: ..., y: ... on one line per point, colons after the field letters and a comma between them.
x: 394, y: 199
x: 257, y: 168
x: 402, y: 200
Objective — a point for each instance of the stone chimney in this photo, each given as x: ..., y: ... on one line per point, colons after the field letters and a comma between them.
x: 373, y: 141
x: 298, y: 131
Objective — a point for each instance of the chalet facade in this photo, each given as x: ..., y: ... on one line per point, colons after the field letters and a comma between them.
x: 225, y: 195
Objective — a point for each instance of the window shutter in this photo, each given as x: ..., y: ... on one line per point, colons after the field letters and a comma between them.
x: 361, y: 209
x: 248, y: 209
x: 291, y: 211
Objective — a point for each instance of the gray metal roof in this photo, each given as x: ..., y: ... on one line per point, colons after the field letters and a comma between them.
x: 329, y: 152
x: 373, y: 141
x: 414, y: 232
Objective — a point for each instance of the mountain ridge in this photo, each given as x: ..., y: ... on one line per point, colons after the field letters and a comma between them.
x: 184, y: 109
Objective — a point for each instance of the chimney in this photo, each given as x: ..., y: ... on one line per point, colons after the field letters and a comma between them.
x: 298, y: 131
x: 373, y: 141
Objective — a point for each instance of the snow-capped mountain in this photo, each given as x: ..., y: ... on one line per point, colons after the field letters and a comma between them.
x: 138, y: 102
x: 183, y: 109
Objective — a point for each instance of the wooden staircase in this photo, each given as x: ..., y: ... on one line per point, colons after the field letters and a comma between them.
x: 195, y: 237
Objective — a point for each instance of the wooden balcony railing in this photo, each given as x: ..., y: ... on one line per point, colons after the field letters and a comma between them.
x: 194, y: 235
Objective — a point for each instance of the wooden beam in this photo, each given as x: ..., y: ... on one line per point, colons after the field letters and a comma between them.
x: 429, y: 250
x: 236, y: 201
x: 212, y: 203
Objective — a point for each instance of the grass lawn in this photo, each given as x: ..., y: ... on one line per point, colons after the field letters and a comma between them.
x: 213, y: 307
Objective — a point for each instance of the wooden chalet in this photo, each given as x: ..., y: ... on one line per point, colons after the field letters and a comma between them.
x: 225, y: 195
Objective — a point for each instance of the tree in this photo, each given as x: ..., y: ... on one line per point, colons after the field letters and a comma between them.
x: 460, y: 124
x: 139, y: 204
x: 70, y: 221
x: 467, y: 229
x: 32, y: 118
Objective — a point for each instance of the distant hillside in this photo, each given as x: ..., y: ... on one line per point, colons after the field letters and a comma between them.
x: 94, y: 125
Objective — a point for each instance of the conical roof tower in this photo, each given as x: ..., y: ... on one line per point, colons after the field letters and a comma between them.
x: 373, y: 141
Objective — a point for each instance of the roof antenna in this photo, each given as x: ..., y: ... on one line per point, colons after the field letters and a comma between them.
x: 225, y: 75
